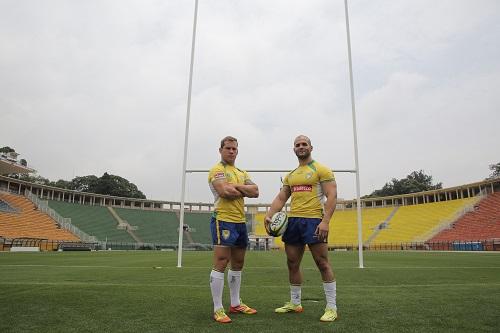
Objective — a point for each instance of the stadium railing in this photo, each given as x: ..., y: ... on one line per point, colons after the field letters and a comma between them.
x: 7, y: 208
x: 457, y: 245
x: 55, y: 245
x: 64, y: 223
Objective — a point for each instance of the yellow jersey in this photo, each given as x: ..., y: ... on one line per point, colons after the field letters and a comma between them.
x: 228, y: 210
x: 306, y: 191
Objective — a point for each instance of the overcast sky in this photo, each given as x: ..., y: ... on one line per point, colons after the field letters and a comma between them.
x: 88, y: 87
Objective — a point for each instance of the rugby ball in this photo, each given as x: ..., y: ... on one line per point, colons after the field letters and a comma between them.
x: 278, y: 224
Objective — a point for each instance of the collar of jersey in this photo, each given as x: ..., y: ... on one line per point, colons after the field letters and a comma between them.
x: 309, y: 165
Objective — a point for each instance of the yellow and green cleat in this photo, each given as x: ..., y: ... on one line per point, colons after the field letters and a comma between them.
x: 221, y: 317
x: 330, y: 315
x: 289, y: 307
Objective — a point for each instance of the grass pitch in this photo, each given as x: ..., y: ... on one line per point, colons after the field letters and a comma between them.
x: 123, y: 292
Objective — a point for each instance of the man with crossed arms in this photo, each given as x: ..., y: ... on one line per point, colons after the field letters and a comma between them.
x: 229, y: 186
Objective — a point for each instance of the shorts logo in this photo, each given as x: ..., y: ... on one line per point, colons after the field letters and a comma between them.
x: 302, y: 188
x: 219, y: 175
x: 226, y: 234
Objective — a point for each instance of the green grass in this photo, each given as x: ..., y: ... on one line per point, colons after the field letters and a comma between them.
x: 122, y: 292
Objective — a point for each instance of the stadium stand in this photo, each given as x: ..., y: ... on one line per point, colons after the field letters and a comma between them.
x: 412, y: 223
x: 259, y: 239
x: 199, y: 223
x: 124, y: 225
x: 6, y: 208
x: 152, y: 226
x: 344, y: 227
x: 259, y: 228
x: 480, y: 224
x: 27, y: 222
x: 385, y: 225
x: 93, y: 220
x: 10, y: 165
x: 414, y: 218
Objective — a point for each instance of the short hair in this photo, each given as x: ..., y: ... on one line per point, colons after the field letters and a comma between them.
x: 228, y: 138
x: 303, y: 137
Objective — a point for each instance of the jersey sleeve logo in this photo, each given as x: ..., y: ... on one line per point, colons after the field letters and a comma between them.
x: 302, y: 188
x: 219, y: 175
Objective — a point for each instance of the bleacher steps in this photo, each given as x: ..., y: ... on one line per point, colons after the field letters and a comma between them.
x: 124, y: 225
x: 377, y: 230
x: 187, y: 234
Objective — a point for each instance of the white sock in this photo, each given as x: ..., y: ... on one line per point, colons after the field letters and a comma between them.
x: 217, y: 286
x: 331, y: 294
x: 295, y: 294
x: 234, y: 281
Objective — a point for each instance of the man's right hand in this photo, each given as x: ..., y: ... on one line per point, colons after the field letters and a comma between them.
x: 267, y: 221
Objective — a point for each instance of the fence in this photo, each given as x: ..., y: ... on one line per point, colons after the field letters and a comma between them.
x: 54, y: 245
x: 466, y: 245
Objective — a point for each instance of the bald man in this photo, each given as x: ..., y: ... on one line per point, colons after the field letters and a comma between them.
x: 308, y: 224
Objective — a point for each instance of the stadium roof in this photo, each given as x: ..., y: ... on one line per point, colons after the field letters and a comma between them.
x: 7, y: 167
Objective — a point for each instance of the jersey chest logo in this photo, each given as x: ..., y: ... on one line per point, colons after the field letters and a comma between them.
x: 302, y: 188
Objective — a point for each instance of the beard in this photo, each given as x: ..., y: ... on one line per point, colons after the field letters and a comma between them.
x: 304, y: 156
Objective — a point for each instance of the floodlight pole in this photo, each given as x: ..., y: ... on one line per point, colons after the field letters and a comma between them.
x: 186, y: 140
x: 355, y: 135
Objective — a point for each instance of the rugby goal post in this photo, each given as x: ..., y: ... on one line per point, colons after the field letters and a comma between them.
x: 185, y: 171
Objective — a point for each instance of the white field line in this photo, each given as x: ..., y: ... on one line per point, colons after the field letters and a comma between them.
x: 423, y: 251
x: 283, y: 286
x: 247, y: 267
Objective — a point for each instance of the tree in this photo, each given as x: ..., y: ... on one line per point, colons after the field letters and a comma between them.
x: 61, y: 183
x: 495, y: 168
x: 417, y: 181
x: 6, y: 149
x: 84, y: 183
x: 107, y: 184
x: 117, y: 186
x: 36, y: 179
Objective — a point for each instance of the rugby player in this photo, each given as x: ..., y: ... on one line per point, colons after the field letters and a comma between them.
x: 229, y: 186
x: 308, y: 224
